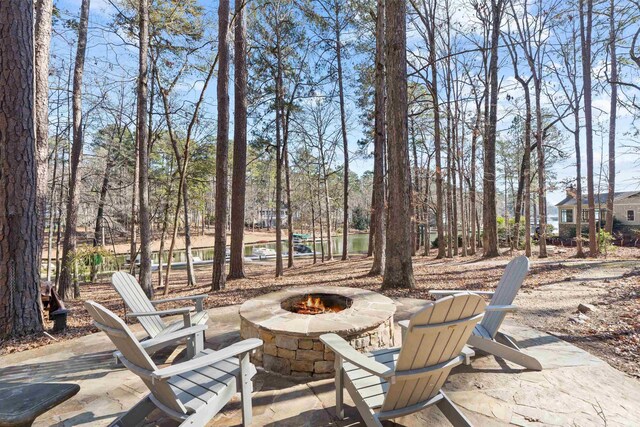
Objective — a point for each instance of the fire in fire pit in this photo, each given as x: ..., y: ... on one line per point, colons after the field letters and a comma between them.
x: 317, y: 304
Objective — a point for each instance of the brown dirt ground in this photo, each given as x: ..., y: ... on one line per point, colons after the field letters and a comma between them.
x: 548, y: 300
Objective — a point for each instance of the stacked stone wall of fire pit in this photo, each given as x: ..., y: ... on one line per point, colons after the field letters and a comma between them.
x: 291, y: 341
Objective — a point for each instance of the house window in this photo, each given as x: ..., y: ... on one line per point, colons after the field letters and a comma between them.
x: 631, y: 215
x: 600, y: 213
x: 567, y: 216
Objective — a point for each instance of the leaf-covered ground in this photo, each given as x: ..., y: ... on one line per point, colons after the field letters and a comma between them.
x: 548, y: 301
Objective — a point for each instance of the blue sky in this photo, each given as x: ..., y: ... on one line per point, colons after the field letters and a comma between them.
x: 101, y: 53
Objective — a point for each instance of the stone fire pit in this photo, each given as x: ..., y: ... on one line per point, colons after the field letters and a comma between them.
x: 291, y: 343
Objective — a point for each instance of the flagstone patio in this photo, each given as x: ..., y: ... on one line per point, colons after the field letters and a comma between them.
x: 575, y: 388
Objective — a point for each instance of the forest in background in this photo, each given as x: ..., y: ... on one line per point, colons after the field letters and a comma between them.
x: 463, y: 110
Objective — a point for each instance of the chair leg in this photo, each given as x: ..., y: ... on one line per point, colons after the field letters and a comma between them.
x: 339, y: 387
x: 451, y: 411
x: 135, y: 415
x: 505, y: 352
x: 506, y: 339
x: 246, y: 387
x: 195, y: 344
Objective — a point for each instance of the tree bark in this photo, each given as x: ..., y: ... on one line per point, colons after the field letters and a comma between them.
x: 65, y: 288
x: 236, y: 262
x: 489, y: 218
x: 612, y: 117
x: 398, y: 267
x: 142, y: 141
x: 345, y: 145
x: 42, y: 34
x: 19, y: 252
x: 586, y: 22
x: 437, y: 134
x: 222, y: 149
x: 378, y: 197
x: 133, y: 229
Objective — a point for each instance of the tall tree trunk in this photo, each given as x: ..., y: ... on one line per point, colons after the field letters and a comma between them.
x: 52, y: 197
x: 427, y: 219
x: 142, y: 140
x: 279, y: 156
x: 65, y: 288
x: 313, y: 230
x: 489, y: 218
x: 472, y: 189
x: 378, y: 197
x: 174, y: 236
x: 19, y: 253
x: 59, y: 216
x: 437, y: 135
x: 238, y: 187
x: 415, y: 212
x: 42, y: 34
x: 612, y: 117
x: 345, y: 145
x: 320, y: 222
x: 98, y: 232
x: 398, y: 267
x: 586, y: 22
x: 191, y: 276
x: 372, y: 217
x: 222, y: 149
x: 542, y: 189
x: 287, y: 179
x: 133, y: 229
x: 463, y: 220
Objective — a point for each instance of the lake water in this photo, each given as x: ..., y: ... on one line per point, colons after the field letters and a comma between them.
x: 358, y: 244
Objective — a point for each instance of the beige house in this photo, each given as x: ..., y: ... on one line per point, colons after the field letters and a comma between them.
x: 626, y: 212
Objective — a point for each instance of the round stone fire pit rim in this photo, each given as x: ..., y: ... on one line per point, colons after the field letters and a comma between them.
x: 368, y: 310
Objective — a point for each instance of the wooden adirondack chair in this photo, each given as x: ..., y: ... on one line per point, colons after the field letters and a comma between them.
x: 485, y: 334
x: 144, y: 310
x: 392, y: 383
x: 190, y: 392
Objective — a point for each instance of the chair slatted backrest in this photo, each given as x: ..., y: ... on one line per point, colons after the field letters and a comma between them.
x: 506, y: 291
x: 133, y: 355
x: 436, y: 335
x: 137, y: 301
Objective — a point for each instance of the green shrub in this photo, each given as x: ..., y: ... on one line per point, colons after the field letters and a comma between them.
x: 605, y: 242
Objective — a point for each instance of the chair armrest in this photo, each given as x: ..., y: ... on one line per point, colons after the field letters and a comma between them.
x: 505, y: 308
x: 170, y: 312
x: 236, y: 349
x: 404, y: 327
x: 197, y: 299
x: 342, y: 349
x: 443, y: 293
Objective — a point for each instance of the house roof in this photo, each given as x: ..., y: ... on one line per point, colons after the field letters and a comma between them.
x: 600, y: 198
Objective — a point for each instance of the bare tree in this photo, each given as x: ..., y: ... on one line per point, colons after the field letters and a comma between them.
x: 236, y: 264
x: 42, y: 36
x: 65, y: 288
x: 142, y: 142
x: 222, y: 149
x: 613, y: 79
x: 586, y: 25
x: 378, y: 197
x: 489, y: 217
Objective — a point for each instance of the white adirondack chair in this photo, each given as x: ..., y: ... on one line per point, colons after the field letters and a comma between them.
x: 190, y: 392
x: 144, y: 310
x: 392, y: 383
x: 485, y: 334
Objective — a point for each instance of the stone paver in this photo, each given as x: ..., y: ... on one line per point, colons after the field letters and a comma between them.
x: 575, y: 388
